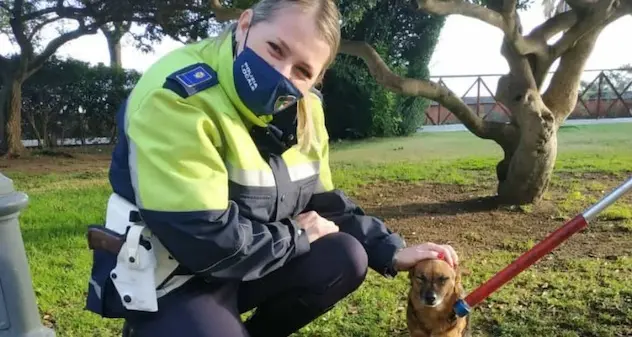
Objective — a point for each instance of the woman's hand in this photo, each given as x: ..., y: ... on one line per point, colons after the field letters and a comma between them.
x: 408, y: 257
x: 315, y: 225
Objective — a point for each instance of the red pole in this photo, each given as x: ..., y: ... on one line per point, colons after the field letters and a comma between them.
x: 552, y: 241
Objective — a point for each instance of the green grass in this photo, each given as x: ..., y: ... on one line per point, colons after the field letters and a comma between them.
x: 604, y: 139
x: 462, y: 158
x: 574, y: 297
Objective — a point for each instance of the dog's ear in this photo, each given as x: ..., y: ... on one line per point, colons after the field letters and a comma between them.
x: 463, y: 271
x: 457, y: 277
x: 459, y: 272
x: 458, y: 287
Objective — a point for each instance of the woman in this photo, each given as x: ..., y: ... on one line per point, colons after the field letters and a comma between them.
x: 223, y: 192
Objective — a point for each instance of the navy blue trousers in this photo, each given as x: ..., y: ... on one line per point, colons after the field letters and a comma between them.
x: 285, y: 300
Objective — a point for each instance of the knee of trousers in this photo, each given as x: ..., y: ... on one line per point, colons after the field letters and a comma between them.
x: 351, y: 263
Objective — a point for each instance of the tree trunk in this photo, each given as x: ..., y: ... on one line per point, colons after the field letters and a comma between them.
x: 114, y: 45
x: 113, y: 34
x: 525, y: 172
x: 39, y: 135
x: 45, y: 128
x: 528, y: 166
x: 14, y: 123
x: 5, y: 93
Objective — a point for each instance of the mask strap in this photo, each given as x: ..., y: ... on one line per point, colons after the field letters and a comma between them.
x: 247, y: 33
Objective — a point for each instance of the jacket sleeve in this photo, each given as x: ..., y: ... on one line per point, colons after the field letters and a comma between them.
x: 181, y: 189
x: 380, y: 243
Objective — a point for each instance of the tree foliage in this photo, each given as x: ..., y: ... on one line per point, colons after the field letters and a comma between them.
x: 71, y: 99
x: 359, y: 107
x: 27, y: 19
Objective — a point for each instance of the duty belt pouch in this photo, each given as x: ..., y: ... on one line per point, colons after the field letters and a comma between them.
x: 123, y: 284
x: 133, y: 275
x: 133, y: 270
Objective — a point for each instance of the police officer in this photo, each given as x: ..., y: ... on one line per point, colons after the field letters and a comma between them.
x: 222, y: 193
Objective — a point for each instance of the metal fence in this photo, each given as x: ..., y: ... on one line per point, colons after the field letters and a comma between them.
x: 604, y: 93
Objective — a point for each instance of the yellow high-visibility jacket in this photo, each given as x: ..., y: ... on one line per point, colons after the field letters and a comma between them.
x: 219, y: 186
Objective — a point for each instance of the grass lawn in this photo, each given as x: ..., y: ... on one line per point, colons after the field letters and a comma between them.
x: 427, y: 188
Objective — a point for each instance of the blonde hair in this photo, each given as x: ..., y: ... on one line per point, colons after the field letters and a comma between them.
x: 327, y: 19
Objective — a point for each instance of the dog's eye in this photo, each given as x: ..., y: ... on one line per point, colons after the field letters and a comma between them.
x: 442, y: 279
x: 421, y: 279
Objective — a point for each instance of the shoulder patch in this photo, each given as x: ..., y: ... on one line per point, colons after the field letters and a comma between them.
x: 191, y: 80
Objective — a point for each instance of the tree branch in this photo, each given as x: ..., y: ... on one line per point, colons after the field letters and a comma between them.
x: 519, y: 66
x: 36, y: 14
x: 53, y: 45
x: 44, y: 11
x: 503, y: 16
x: 448, y: 7
x: 580, y: 5
x: 551, y: 27
x: 118, y: 30
x: 40, y: 26
x: 75, y: 13
x: 5, y: 7
x: 528, y: 45
x: 499, y: 132
x: 561, y: 95
x: 18, y: 7
x: 509, y: 8
x: 17, y: 26
x: 223, y: 14
x: 601, y: 11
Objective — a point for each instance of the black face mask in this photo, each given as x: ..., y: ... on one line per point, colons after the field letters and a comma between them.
x: 263, y: 89
x: 280, y: 133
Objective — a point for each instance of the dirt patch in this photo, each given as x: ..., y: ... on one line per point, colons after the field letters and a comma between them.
x: 468, y: 218
x: 57, y: 162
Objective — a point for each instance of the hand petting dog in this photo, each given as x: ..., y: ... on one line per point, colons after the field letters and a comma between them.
x: 410, y: 256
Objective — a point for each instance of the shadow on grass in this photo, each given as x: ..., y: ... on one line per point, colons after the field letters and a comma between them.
x: 476, y: 205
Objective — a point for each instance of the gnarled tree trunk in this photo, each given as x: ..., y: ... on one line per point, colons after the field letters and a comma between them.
x: 525, y: 172
x: 5, y: 91
x: 10, y: 108
x: 14, y: 122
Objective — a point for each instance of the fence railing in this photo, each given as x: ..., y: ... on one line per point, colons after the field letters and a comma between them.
x: 604, y: 93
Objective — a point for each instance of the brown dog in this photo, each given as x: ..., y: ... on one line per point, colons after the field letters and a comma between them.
x: 434, y: 288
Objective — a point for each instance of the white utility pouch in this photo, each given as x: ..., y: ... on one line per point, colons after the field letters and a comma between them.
x: 149, y: 270
x: 133, y: 275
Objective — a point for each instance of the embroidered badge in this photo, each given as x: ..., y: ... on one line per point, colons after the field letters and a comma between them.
x: 197, y: 75
x: 192, y: 79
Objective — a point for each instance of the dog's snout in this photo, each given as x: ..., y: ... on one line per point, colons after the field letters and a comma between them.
x: 430, y: 297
